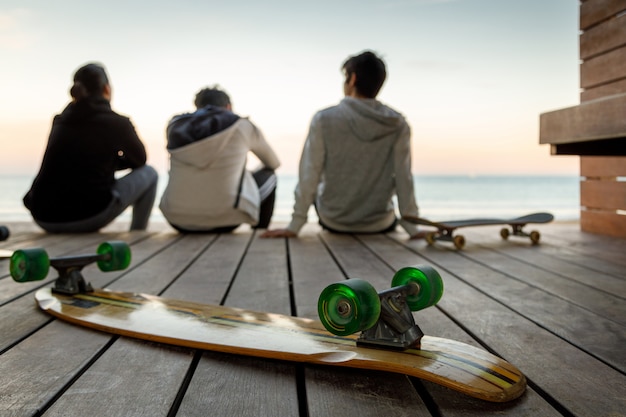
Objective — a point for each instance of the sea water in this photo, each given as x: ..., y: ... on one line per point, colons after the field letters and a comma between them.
x: 438, y: 197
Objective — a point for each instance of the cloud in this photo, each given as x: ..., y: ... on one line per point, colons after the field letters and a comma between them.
x: 12, y: 29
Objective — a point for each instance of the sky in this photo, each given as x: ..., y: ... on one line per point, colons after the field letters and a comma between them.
x: 471, y: 76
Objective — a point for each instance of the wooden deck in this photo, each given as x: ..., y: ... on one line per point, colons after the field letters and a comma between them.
x: 556, y: 311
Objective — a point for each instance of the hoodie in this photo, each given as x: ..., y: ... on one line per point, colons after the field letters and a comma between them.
x: 209, y: 185
x: 88, y: 142
x: 356, y: 157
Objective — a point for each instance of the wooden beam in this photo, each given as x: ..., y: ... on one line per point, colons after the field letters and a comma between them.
x: 592, y: 120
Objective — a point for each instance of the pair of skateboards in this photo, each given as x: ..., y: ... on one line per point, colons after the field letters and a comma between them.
x: 445, y: 229
x: 358, y: 327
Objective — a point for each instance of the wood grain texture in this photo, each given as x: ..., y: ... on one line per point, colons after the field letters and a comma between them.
x: 603, y: 69
x: 596, y: 167
x: 603, y: 38
x: 593, y: 12
x: 603, y: 195
x: 606, y: 223
x: 592, y: 120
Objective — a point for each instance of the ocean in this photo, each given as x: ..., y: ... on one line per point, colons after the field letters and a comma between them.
x: 440, y: 197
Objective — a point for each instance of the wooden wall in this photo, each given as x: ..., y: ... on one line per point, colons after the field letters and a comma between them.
x: 603, y: 78
x: 596, y: 129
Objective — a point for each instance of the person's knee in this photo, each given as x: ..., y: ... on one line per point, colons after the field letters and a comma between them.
x: 150, y: 173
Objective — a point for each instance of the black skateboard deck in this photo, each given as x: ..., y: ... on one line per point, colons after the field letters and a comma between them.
x: 445, y: 229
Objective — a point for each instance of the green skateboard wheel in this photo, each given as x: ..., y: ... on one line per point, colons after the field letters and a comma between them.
x: 429, y: 282
x: 117, y: 256
x: 29, y: 265
x: 348, y: 307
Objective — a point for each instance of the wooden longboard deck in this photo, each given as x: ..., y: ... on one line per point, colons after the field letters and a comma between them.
x: 452, y: 364
x: 454, y: 224
x: 5, y: 254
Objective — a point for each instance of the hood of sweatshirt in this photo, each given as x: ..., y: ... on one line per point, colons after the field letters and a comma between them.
x: 369, y: 119
x: 198, y: 138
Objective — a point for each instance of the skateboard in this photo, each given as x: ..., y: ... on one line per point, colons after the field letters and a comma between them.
x: 4, y: 233
x: 34, y: 264
x: 358, y: 328
x: 445, y: 229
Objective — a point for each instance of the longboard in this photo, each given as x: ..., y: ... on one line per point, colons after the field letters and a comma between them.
x: 445, y: 229
x: 388, y: 338
x: 452, y: 364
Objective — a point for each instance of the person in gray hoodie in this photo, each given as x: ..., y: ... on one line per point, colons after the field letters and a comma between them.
x: 209, y: 188
x: 356, y: 157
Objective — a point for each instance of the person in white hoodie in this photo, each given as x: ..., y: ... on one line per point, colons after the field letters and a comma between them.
x: 209, y: 188
x: 357, y: 155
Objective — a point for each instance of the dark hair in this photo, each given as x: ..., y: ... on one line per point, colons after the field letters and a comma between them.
x: 89, y: 80
x: 211, y: 96
x: 370, y: 73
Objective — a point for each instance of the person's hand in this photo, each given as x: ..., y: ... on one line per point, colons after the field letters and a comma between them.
x: 419, y: 235
x: 279, y: 233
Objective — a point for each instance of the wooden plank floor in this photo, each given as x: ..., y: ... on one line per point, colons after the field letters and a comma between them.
x: 556, y: 311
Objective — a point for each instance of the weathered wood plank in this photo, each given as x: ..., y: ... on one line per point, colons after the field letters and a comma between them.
x: 603, y: 305
x: 606, y: 195
x: 600, y: 253
x: 208, y: 278
x: 44, y: 364
x: 262, y: 282
x: 225, y: 385
x: 567, y: 264
x: 592, y: 120
x: 595, y: 11
x: 604, y: 37
x: 603, y: 69
x: 596, y: 166
x: 111, y: 383
x: 603, y: 222
x: 604, y: 90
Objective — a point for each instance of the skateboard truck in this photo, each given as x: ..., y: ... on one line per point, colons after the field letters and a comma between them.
x: 33, y: 265
x: 396, y: 327
x: 70, y: 279
x: 384, y: 318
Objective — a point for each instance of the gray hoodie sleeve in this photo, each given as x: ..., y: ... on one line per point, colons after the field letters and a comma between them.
x: 311, y: 165
x: 404, y: 180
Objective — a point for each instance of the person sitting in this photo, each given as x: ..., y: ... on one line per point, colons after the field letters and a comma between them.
x: 76, y: 190
x: 357, y: 155
x: 210, y: 188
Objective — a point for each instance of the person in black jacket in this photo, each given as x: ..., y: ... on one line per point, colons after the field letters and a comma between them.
x: 76, y: 190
